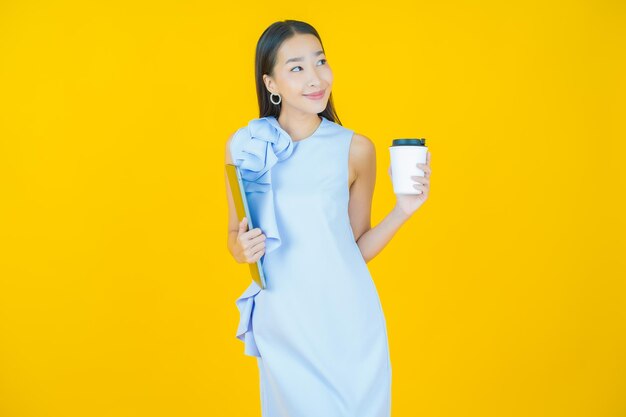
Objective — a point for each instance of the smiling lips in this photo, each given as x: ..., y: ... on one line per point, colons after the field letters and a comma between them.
x: 315, y: 96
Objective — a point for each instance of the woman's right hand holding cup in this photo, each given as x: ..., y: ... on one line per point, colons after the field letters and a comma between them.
x: 251, y: 243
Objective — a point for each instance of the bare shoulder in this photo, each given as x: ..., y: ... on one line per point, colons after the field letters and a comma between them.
x: 229, y: 159
x: 362, y: 146
x: 362, y: 155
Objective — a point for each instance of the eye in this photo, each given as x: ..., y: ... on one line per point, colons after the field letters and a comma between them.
x: 292, y: 70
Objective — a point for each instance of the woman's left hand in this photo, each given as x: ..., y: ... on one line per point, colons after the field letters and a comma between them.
x: 409, y: 203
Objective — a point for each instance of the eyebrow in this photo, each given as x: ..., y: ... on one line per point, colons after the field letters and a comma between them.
x: 300, y: 58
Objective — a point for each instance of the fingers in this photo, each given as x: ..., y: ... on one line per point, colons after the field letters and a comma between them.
x: 250, y: 233
x: 258, y: 255
x: 252, y: 241
x: 255, y: 252
x: 420, y: 179
x: 259, y: 247
x: 252, y: 237
x: 425, y: 168
x: 258, y: 239
x: 243, y: 225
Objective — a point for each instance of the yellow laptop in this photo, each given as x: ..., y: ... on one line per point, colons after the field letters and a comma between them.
x: 241, y: 205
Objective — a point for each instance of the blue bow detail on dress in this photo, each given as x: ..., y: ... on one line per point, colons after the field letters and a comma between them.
x: 255, y: 149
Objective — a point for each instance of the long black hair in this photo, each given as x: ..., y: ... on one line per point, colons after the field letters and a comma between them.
x: 265, y: 60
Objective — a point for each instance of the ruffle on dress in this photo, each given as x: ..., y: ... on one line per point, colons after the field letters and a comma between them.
x: 245, y: 333
x: 255, y: 149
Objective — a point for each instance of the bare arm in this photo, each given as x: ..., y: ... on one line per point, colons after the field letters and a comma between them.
x: 370, y: 240
x: 233, y: 223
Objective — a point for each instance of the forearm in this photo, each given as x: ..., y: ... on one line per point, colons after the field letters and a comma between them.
x: 234, y: 249
x: 374, y: 240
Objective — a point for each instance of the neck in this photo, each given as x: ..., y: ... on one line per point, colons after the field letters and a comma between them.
x: 299, y: 125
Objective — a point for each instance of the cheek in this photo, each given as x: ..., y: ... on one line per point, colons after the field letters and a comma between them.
x: 328, y: 76
x: 291, y: 85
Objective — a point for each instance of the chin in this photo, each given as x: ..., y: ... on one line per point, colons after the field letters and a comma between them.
x: 321, y: 106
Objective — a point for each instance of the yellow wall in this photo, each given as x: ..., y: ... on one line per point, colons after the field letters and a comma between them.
x: 505, y: 294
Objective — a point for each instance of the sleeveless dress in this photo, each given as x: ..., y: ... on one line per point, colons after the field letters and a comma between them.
x: 318, y: 330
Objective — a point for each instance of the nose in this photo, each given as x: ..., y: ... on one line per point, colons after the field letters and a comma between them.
x: 314, y: 80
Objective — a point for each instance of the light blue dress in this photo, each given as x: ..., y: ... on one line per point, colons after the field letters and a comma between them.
x: 318, y: 330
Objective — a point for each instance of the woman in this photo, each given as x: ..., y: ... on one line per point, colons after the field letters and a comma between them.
x: 317, y: 330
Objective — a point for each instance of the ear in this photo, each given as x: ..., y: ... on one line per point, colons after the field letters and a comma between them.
x: 269, y: 83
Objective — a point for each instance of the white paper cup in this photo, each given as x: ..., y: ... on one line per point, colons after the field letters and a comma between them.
x: 405, y: 155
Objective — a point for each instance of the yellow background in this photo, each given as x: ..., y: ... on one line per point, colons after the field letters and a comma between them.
x: 505, y: 294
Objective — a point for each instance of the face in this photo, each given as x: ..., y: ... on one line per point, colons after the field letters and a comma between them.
x: 301, y: 69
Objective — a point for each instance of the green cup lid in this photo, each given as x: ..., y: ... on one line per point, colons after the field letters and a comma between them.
x: 409, y: 142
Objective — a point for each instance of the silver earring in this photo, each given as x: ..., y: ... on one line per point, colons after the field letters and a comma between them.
x: 279, y: 98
